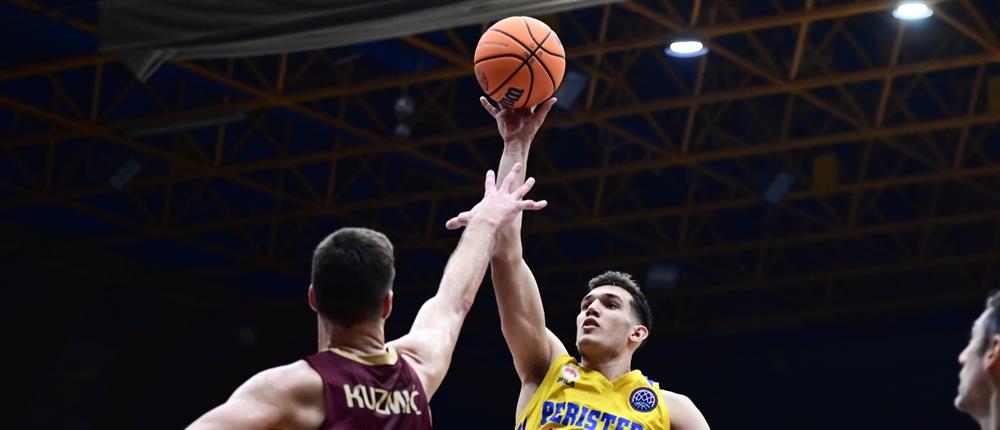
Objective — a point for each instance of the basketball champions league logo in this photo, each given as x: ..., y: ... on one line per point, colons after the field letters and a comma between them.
x: 643, y: 399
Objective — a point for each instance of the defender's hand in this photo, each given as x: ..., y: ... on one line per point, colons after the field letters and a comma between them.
x: 500, y: 204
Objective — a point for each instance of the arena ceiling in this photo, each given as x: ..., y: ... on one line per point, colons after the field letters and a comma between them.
x: 225, y: 173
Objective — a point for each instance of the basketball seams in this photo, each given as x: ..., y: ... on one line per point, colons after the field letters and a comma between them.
x: 531, y: 54
x: 550, y: 52
x: 532, y: 36
x: 539, y: 44
x: 512, y: 74
x: 505, y: 81
x: 493, y: 57
x: 531, y: 86
x: 511, y: 37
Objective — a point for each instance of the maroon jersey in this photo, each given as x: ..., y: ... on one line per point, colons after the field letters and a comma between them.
x: 370, y: 392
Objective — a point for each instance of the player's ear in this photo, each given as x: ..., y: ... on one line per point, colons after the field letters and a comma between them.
x: 387, y: 305
x: 991, y: 360
x: 639, y: 333
x: 312, y: 298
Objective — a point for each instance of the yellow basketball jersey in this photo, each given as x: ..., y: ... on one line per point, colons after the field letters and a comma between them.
x: 571, y: 397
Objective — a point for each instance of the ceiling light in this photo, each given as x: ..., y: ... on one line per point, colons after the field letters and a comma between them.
x: 912, y: 10
x: 686, y: 48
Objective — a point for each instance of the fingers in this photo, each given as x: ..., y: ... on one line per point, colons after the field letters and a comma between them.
x: 521, y: 191
x: 491, y: 181
x: 488, y: 106
x: 508, y: 181
x: 531, y: 205
x: 543, y: 109
x: 459, y: 221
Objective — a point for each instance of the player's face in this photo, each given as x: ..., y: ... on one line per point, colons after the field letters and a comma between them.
x: 973, y: 384
x: 605, y: 321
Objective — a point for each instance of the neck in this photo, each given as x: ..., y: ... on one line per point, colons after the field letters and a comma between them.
x: 989, y: 419
x: 611, y: 366
x: 364, y: 339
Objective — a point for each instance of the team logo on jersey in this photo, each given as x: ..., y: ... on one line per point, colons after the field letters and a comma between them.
x: 643, y: 399
x: 569, y: 375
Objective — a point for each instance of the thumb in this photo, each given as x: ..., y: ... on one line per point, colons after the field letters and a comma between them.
x: 458, y: 221
x: 453, y: 224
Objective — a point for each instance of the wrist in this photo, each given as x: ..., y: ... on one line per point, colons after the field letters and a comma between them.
x: 482, y: 224
x: 516, y: 145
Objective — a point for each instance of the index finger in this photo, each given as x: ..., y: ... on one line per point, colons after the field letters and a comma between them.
x: 488, y: 106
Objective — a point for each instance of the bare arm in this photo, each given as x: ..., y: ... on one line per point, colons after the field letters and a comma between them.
x: 432, y: 338
x: 287, y: 397
x: 684, y: 415
x: 522, y: 316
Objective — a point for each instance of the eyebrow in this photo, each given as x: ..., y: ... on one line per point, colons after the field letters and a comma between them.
x: 604, y: 295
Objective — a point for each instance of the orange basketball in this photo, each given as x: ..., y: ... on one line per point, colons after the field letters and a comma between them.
x: 519, y: 62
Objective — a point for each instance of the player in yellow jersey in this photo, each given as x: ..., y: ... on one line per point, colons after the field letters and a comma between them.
x: 600, y: 390
x: 979, y: 380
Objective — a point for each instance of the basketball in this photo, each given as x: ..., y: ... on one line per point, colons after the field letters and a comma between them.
x: 519, y: 62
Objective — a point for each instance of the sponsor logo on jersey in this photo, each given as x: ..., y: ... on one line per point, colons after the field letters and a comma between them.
x: 569, y: 375
x: 642, y: 399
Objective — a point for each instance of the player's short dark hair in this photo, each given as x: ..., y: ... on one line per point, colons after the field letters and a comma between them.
x: 991, y: 323
x: 640, y: 307
x: 352, y: 271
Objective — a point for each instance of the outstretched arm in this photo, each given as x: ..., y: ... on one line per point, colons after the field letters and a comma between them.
x: 522, y: 317
x: 432, y: 338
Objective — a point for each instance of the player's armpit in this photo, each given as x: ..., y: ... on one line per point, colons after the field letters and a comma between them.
x: 428, y: 348
x: 556, y: 347
x: 684, y: 415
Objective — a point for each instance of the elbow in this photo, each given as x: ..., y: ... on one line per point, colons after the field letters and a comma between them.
x: 463, y: 306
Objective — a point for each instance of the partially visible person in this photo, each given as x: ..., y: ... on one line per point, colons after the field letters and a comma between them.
x: 979, y: 380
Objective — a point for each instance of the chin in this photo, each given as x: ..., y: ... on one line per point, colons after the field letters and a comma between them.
x: 585, y: 343
x: 961, y: 402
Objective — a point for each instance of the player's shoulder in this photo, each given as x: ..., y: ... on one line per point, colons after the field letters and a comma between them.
x: 297, y: 381
x: 675, y: 398
x: 683, y: 412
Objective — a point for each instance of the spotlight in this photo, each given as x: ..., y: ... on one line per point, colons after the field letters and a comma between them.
x: 912, y: 11
x: 686, y: 48
x: 402, y: 130
x: 404, y: 107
